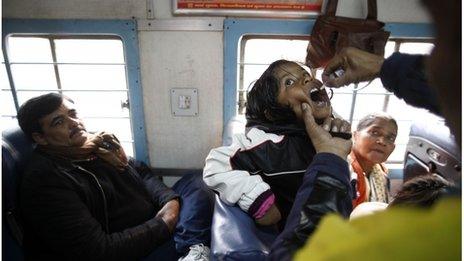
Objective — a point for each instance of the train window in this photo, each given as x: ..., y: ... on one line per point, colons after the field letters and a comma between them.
x: 257, y: 51
x: 8, y: 109
x: 95, y: 70
x: 91, y: 71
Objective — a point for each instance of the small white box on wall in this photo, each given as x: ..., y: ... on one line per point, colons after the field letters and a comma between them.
x: 184, y: 102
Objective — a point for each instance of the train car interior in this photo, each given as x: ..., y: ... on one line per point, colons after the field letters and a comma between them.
x: 170, y: 80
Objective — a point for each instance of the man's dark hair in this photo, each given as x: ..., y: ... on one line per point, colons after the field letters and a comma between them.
x: 367, y: 120
x: 421, y: 191
x: 36, y: 108
x: 262, y: 102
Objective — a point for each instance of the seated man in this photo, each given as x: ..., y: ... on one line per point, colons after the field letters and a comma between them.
x: 82, y: 198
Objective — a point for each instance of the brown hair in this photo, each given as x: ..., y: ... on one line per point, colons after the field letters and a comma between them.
x: 421, y: 191
x: 262, y: 104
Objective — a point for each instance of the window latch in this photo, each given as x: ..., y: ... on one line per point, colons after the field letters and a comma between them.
x: 125, y: 104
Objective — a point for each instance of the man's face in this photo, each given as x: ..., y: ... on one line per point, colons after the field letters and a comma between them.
x: 296, y: 86
x: 62, y: 128
x: 376, y: 142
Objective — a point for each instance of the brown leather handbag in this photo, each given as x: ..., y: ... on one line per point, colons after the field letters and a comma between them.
x: 332, y: 33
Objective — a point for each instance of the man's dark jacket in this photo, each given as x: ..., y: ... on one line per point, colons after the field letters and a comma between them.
x: 90, y: 211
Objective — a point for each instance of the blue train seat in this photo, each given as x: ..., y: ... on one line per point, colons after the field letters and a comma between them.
x: 235, y: 235
x: 16, y: 150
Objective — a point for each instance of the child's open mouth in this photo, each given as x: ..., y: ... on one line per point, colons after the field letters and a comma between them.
x: 319, y: 97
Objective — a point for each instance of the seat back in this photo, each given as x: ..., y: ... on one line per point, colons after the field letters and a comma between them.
x: 432, y: 148
x: 16, y: 150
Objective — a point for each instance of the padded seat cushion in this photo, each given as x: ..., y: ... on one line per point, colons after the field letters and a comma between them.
x: 235, y: 236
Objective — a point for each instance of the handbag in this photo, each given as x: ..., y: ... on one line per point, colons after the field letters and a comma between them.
x: 332, y: 33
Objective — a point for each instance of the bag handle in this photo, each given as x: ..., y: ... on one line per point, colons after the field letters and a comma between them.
x: 331, y: 8
x: 372, y: 9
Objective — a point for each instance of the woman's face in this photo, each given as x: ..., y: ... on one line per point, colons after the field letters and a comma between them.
x: 376, y: 142
x: 296, y: 86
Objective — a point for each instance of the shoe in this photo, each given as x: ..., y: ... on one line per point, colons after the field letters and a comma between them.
x: 198, y: 252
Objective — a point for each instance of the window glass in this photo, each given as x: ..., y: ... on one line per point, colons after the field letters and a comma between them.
x: 29, y: 50
x: 397, y: 154
x: 366, y: 104
x: 7, y: 122
x: 402, y: 111
x: 4, y: 83
x: 266, y: 51
x: 341, y: 104
x: 416, y: 48
x: 6, y: 100
x: 403, y: 131
x: 89, y: 51
x: 389, y: 48
x: 34, y: 76
x: 128, y: 148
x: 375, y: 86
x: 109, y: 104
x: 85, y: 77
x: 6, y: 97
x: 251, y: 73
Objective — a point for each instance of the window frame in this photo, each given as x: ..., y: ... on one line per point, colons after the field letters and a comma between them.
x: 236, y: 29
x: 126, y: 30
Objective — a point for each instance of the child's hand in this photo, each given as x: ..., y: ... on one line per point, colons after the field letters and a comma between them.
x: 271, y: 217
x: 320, y: 136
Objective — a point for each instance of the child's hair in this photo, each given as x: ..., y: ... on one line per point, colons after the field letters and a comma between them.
x: 421, y: 191
x: 262, y: 102
x: 367, y: 120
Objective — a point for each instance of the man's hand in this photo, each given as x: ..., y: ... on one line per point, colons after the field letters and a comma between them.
x: 358, y: 66
x: 272, y: 216
x: 320, y: 136
x: 170, y: 214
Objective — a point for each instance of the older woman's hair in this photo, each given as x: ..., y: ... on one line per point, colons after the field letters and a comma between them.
x: 421, y: 191
x: 262, y: 102
x: 367, y: 120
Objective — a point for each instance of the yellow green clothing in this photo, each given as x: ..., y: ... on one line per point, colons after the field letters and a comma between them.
x: 394, y: 234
